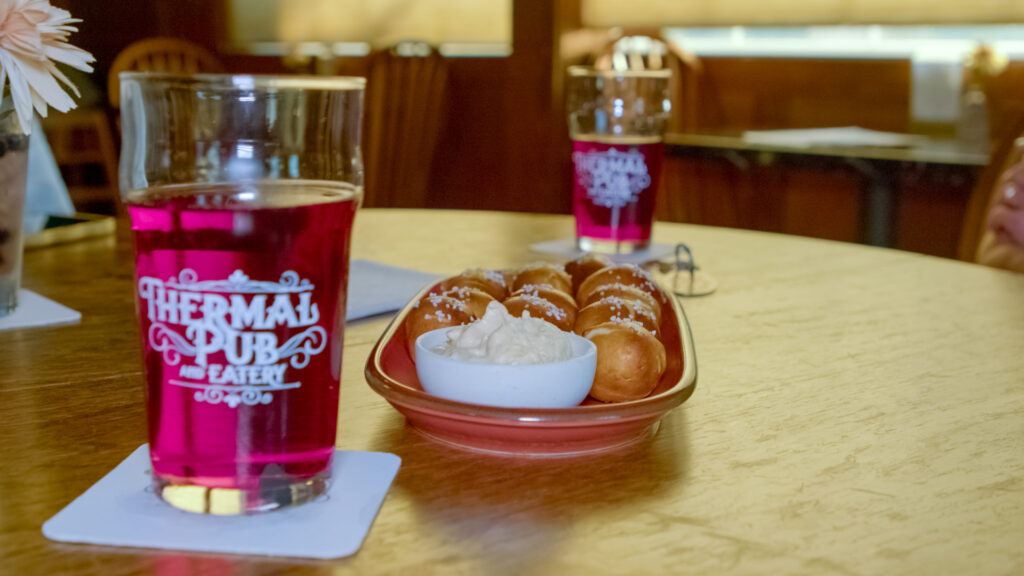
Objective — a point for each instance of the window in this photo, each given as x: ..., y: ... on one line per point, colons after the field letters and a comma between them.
x: 353, y: 27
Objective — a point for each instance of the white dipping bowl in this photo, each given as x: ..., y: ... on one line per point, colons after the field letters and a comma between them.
x: 551, y: 385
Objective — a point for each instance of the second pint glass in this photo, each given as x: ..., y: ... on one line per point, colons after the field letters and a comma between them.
x: 616, y: 121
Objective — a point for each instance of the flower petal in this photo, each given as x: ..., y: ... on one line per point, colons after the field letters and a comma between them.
x: 21, y: 94
x: 70, y: 55
x: 43, y: 83
x: 39, y: 104
x: 33, y: 36
x: 64, y: 79
x: 3, y: 81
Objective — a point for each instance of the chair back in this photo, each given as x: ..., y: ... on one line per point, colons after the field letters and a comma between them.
x: 159, y: 54
x: 982, y: 197
x: 403, y: 122
x: 646, y: 52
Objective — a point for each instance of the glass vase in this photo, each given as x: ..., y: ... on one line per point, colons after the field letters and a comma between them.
x: 13, y: 174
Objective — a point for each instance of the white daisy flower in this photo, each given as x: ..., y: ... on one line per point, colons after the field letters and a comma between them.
x: 33, y: 36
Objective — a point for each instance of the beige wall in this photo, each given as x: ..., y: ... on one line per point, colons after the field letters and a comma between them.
x: 381, y: 22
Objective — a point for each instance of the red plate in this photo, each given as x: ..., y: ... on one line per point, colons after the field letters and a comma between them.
x: 590, y: 427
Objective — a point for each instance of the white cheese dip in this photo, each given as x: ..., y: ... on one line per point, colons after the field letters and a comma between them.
x: 501, y: 338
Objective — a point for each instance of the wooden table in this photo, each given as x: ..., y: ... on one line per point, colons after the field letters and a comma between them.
x: 859, y: 411
x: 926, y: 150
x: 874, y: 164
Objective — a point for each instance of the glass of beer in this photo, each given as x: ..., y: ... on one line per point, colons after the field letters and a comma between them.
x: 617, y: 120
x: 242, y: 192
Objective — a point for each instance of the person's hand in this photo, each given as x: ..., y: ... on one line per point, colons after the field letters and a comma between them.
x: 1006, y: 217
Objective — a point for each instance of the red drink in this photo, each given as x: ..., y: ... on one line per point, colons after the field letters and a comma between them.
x: 616, y: 178
x: 241, y: 296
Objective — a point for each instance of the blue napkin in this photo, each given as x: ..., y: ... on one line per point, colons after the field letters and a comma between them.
x: 46, y: 193
x: 375, y: 288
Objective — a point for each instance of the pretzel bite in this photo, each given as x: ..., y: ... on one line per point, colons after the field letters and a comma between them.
x: 585, y: 265
x: 543, y: 273
x: 627, y: 274
x: 431, y: 312
x: 631, y: 293
x: 490, y: 281
x: 549, y: 293
x: 476, y: 300
x: 537, y: 307
x: 615, y: 309
x: 630, y: 361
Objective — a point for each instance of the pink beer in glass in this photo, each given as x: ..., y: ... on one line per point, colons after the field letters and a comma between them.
x: 616, y: 121
x: 242, y: 192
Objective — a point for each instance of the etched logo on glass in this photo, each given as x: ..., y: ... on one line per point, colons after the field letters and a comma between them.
x: 238, y: 320
x: 612, y: 178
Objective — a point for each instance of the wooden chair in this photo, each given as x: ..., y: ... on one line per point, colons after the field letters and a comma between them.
x: 648, y: 50
x: 652, y: 52
x: 403, y: 121
x: 159, y: 54
x: 84, y: 142
x: 982, y: 197
x: 84, y: 149
x: 642, y: 50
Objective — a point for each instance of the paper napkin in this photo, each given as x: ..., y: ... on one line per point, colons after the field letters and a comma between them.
x: 121, y: 510
x: 376, y: 288
x: 841, y: 136
x: 35, y: 310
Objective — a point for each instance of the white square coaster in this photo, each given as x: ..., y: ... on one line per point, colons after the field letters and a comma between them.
x: 35, y: 310
x: 566, y: 248
x: 121, y: 510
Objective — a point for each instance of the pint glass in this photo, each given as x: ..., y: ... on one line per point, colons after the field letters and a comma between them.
x: 616, y: 121
x: 242, y: 192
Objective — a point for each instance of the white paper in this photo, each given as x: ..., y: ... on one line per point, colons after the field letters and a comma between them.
x: 842, y: 136
x: 376, y: 288
x: 935, y: 87
x: 35, y: 310
x: 121, y: 510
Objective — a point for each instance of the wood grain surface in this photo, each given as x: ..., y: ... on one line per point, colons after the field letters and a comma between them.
x: 859, y: 411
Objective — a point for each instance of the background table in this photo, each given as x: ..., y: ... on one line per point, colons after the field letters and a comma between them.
x: 858, y: 411
x: 926, y: 150
x: 876, y: 165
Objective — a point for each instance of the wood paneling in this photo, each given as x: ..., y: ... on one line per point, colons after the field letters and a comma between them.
x: 720, y: 190
x: 107, y: 28
x: 767, y: 93
x: 1006, y: 101
x: 816, y: 196
x: 931, y: 209
x: 822, y: 203
x: 734, y: 190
